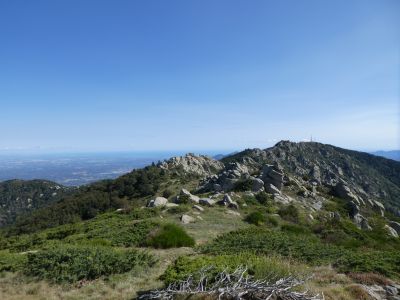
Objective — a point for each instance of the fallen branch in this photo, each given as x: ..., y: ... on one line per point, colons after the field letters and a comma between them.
x: 237, y: 285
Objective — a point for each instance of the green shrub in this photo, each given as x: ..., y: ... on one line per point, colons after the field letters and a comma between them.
x: 290, y: 213
x: 272, y: 221
x: 120, y: 232
x: 178, y: 209
x: 170, y: 236
x: 11, y: 261
x: 73, y: 263
x: 167, y: 193
x: 306, y: 248
x: 250, y: 200
x: 243, y: 185
x: 263, y: 198
x: 256, y: 218
x: 184, y: 199
x: 62, y: 232
x: 294, y: 228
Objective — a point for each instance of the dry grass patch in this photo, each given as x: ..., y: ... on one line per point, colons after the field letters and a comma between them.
x: 369, y: 278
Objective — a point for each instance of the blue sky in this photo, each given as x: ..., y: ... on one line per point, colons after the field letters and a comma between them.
x: 198, y: 75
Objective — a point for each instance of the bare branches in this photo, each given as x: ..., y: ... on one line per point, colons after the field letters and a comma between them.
x: 237, y: 285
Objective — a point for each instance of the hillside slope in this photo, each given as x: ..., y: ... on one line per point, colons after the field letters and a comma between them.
x: 368, y: 176
x: 23, y: 196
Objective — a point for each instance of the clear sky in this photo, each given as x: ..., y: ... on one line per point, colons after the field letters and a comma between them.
x: 193, y: 75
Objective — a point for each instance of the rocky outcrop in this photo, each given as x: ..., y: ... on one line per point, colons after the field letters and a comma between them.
x: 192, y: 164
x: 272, y: 174
x: 226, y: 180
x: 342, y: 190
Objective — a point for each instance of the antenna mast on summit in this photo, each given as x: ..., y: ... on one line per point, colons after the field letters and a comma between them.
x: 311, y: 139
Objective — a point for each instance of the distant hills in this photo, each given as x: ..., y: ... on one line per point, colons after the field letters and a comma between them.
x: 393, y: 154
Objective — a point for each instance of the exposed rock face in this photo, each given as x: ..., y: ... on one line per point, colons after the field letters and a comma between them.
x: 258, y: 185
x: 391, y: 231
x: 354, y: 209
x: 272, y: 175
x: 186, y: 219
x: 378, y: 206
x: 159, y: 201
x: 272, y: 189
x: 361, y: 222
x: 192, y: 164
x: 341, y: 190
x: 395, y: 226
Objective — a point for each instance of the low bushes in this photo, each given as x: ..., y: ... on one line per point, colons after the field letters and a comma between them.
x: 290, y: 213
x: 121, y: 234
x: 306, y: 248
x: 11, y: 261
x: 73, y: 263
x: 263, y: 198
x: 170, y: 236
x: 243, y: 185
x: 256, y: 218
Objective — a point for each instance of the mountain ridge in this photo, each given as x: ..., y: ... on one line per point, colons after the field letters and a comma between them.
x: 301, y: 168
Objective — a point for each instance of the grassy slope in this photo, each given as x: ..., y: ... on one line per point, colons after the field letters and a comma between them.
x: 112, y: 229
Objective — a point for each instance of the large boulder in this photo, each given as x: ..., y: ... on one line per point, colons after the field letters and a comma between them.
x: 159, y: 201
x: 272, y: 175
x: 185, y: 194
x: 186, y: 219
x: 257, y: 185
